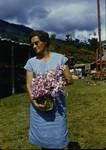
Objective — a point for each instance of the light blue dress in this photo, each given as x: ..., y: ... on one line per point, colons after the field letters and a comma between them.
x: 48, y: 129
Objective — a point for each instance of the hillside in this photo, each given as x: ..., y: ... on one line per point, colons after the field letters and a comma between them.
x: 82, y: 52
x: 14, y: 31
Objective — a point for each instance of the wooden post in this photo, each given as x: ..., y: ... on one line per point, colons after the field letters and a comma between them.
x: 99, y: 34
x: 105, y: 19
x: 12, y: 71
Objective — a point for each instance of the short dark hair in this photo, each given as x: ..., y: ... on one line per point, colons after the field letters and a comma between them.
x: 43, y: 36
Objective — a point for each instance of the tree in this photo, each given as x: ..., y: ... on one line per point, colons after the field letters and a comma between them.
x: 93, y: 44
x: 68, y: 37
x: 53, y: 41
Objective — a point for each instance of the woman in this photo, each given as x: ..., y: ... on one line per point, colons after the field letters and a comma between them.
x: 48, y: 129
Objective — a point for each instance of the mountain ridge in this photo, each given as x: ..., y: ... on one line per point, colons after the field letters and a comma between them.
x: 14, y: 31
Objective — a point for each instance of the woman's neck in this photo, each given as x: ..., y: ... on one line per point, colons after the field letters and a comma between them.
x: 44, y: 56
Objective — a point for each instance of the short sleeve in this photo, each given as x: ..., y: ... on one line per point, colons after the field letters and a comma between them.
x: 64, y: 59
x: 28, y: 66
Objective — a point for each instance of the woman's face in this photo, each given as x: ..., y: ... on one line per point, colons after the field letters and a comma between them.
x: 38, y: 46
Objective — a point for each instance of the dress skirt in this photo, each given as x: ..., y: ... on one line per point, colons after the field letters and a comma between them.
x: 48, y: 129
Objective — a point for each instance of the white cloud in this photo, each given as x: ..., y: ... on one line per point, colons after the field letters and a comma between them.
x: 58, y: 16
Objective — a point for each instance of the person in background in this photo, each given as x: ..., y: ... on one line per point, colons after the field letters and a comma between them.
x: 48, y: 129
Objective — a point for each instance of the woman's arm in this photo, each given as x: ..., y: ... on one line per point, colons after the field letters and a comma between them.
x: 68, y: 75
x: 29, y: 76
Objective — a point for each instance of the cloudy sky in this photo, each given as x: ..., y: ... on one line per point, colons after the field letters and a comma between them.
x: 75, y: 17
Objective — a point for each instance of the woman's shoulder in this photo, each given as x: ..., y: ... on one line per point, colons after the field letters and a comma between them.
x: 32, y: 59
x: 60, y: 58
x: 57, y: 54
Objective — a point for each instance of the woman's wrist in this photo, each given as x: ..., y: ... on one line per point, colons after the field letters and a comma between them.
x: 33, y: 100
x: 32, y: 97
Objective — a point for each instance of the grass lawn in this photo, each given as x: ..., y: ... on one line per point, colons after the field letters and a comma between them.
x: 86, y: 117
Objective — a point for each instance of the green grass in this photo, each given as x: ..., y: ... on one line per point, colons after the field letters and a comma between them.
x: 86, y: 120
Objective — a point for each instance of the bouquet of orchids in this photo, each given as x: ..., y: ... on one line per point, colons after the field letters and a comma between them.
x: 47, y: 85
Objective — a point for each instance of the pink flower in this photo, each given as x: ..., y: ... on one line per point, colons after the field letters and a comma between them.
x: 49, y: 83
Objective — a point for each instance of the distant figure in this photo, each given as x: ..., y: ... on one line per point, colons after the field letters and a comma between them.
x: 93, y: 74
x: 47, y: 75
x: 83, y: 73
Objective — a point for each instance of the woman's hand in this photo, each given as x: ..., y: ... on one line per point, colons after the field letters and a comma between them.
x: 68, y: 75
x: 39, y: 106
